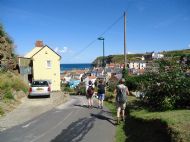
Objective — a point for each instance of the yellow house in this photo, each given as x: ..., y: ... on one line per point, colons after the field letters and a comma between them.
x: 45, y: 64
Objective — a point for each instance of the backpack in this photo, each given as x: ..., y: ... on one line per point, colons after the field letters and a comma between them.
x: 90, y: 91
x: 121, y: 96
x: 101, y: 89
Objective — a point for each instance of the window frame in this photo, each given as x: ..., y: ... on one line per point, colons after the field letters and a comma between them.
x: 49, y: 64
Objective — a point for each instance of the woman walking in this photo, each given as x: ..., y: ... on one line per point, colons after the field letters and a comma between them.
x: 89, y: 94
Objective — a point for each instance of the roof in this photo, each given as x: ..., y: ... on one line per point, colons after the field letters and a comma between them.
x: 91, y: 77
x: 80, y: 71
x: 32, y: 52
x: 36, y: 50
x: 111, y: 65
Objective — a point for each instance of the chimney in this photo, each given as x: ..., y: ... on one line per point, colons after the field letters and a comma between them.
x: 39, y: 43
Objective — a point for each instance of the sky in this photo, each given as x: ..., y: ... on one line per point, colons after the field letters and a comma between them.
x: 72, y: 27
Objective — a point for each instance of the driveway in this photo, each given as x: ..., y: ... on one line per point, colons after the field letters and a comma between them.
x: 30, y: 108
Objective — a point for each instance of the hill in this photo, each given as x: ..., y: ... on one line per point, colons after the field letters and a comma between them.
x: 176, y: 53
x: 132, y: 57
x: 11, y: 85
x: 7, y: 56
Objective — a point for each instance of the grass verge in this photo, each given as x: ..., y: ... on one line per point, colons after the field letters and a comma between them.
x: 10, y: 84
x: 157, y: 126
x: 142, y: 125
x: 120, y: 133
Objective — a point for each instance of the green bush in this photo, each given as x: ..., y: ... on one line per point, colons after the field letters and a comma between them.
x: 68, y: 89
x: 10, y: 82
x: 18, y: 85
x: 109, y: 96
x: 1, y: 111
x: 166, y: 89
x: 169, y: 88
x: 81, y: 89
x: 4, y: 85
x: 136, y: 83
x: 8, y: 95
x: 131, y: 83
x: 112, y: 84
x: 168, y: 103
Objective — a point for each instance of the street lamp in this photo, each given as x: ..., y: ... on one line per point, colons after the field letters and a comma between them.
x: 103, y: 62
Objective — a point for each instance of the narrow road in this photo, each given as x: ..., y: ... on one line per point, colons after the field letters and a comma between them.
x: 70, y: 122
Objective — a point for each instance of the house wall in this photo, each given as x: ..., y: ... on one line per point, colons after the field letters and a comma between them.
x: 134, y: 65
x: 142, y: 65
x: 137, y: 65
x: 42, y: 71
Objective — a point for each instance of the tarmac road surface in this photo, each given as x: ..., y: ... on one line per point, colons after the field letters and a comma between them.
x: 69, y: 122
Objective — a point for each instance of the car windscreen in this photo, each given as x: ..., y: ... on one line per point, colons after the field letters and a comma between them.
x: 39, y: 83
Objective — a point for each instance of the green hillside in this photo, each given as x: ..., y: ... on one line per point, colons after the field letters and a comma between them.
x: 133, y: 57
x: 117, y: 58
x: 7, y: 55
x: 10, y: 81
x: 176, y: 53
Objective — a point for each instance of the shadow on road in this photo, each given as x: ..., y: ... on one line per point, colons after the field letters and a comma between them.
x: 76, y: 131
x: 38, y: 97
x: 84, y: 106
x: 102, y: 117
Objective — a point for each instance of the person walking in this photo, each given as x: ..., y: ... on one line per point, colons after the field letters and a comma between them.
x: 101, y: 94
x: 121, y: 92
x: 89, y: 94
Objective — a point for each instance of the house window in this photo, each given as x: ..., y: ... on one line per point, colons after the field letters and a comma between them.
x: 49, y: 64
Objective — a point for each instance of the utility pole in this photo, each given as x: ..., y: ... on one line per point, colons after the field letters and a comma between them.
x: 125, y: 55
x: 103, y: 61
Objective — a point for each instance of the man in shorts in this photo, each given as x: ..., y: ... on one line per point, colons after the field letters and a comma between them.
x: 121, y: 93
x: 101, y: 94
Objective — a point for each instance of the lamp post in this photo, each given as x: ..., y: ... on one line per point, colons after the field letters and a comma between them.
x: 103, y: 62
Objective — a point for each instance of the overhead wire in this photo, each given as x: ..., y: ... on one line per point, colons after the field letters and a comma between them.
x: 103, y: 33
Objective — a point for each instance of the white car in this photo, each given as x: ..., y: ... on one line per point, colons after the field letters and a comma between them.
x: 40, y: 88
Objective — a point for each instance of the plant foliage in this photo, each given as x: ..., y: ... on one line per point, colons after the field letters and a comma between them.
x: 166, y: 89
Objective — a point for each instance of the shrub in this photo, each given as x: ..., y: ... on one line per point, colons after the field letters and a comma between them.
x: 9, y: 81
x: 109, y: 96
x: 168, y: 103
x: 112, y: 84
x: 68, y: 89
x: 1, y: 111
x: 131, y: 83
x: 166, y: 89
x: 81, y: 89
x: 169, y: 88
x: 8, y: 95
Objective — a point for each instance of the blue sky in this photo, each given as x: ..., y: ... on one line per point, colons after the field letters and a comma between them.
x: 69, y: 26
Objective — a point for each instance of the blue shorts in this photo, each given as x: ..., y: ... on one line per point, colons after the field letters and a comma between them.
x: 101, y: 96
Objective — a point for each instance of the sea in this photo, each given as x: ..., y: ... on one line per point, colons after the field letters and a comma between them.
x: 68, y: 67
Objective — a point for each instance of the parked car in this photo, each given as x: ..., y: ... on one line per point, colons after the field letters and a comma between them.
x: 40, y: 88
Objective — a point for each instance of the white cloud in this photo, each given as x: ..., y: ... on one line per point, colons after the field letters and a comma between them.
x: 130, y: 52
x: 56, y: 49
x: 64, y: 50
x: 61, y: 50
x: 189, y: 45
